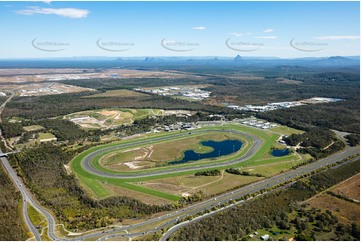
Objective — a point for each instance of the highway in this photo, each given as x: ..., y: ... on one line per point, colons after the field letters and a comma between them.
x: 217, y: 201
x: 2, y: 106
x: 87, y: 165
x: 256, y: 187
x: 25, y: 194
x: 27, y: 198
x: 172, y: 218
x: 175, y: 216
x: 20, y: 186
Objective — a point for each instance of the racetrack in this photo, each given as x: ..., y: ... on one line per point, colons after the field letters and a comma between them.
x: 88, y: 166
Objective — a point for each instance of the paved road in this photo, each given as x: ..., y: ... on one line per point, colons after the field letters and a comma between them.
x: 2, y: 106
x: 22, y: 190
x: 88, y: 166
x: 27, y: 198
x: 179, y: 214
x: 217, y: 201
x: 255, y: 187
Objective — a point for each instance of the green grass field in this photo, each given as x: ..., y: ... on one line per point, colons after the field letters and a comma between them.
x: 259, y: 163
x: 286, y: 130
x: 36, y: 218
x: 46, y: 136
x: 33, y: 127
x: 154, y: 154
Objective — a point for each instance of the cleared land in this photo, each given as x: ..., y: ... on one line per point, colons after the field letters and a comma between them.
x: 40, y: 89
x: 145, y: 198
x: 347, y: 212
x: 109, y: 118
x: 43, y: 137
x: 33, y: 127
x: 118, y: 93
x: 40, y: 75
x: 210, y: 185
x: 349, y: 188
x: 286, y: 130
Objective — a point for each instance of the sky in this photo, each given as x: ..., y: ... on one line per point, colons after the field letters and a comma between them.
x: 135, y: 29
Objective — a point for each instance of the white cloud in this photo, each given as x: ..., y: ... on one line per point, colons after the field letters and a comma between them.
x: 63, y: 12
x: 199, y: 28
x: 337, y: 37
x: 268, y: 30
x: 266, y: 37
x: 236, y: 34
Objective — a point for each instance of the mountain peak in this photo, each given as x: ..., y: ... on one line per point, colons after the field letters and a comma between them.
x: 238, y: 58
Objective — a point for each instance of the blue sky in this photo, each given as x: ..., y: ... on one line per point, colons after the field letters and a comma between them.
x: 277, y: 29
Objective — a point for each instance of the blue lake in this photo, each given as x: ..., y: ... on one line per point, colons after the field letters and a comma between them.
x: 220, y: 148
x: 279, y: 153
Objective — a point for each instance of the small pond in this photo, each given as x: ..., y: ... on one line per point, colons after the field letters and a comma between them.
x: 279, y: 153
x: 220, y: 148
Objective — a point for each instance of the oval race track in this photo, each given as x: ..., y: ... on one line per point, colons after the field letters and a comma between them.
x: 87, y: 161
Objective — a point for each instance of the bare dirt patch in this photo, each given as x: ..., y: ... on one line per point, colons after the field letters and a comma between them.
x: 346, y: 212
x: 46, y: 88
x: 349, y: 188
x: 107, y: 113
x: 118, y: 93
x: 288, y: 81
x: 17, y: 76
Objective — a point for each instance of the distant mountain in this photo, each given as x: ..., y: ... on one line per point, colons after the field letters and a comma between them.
x: 338, y: 59
x: 110, y: 62
x: 238, y: 58
x: 152, y: 59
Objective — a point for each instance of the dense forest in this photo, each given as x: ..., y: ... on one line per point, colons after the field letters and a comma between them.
x: 318, y: 142
x: 353, y: 139
x: 10, y: 213
x: 42, y: 169
x: 342, y: 116
x: 68, y: 133
x: 11, y: 129
x: 55, y: 105
x: 275, y: 209
x: 63, y: 129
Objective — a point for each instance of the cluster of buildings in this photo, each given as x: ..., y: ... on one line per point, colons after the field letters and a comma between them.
x: 61, y: 77
x: 43, y: 90
x: 190, y: 126
x: 179, y: 126
x: 257, y: 123
x: 263, y: 237
x: 192, y: 92
x: 279, y: 105
x: 2, y: 94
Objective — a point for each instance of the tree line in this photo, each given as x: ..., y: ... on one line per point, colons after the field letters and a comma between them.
x: 42, y: 169
x: 276, y: 209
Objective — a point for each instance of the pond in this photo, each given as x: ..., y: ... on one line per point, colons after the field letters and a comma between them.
x: 279, y: 153
x: 220, y: 148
